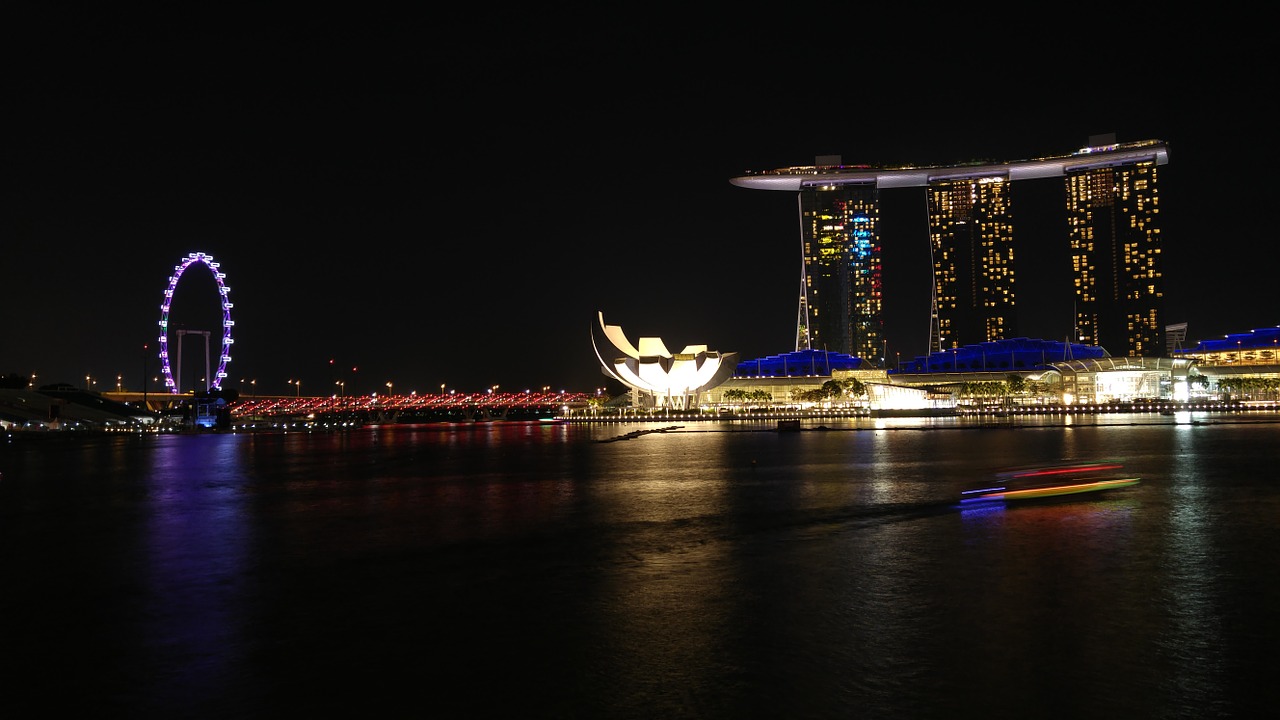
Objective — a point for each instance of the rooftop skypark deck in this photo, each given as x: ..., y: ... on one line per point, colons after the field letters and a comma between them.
x: 894, y: 176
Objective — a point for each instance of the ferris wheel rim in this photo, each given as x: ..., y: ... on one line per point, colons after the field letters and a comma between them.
x: 223, y: 293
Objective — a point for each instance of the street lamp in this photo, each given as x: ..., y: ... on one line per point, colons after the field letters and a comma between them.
x: 119, y: 384
x: 297, y: 388
x: 442, y: 388
x: 342, y: 387
x: 86, y: 383
x: 388, y: 388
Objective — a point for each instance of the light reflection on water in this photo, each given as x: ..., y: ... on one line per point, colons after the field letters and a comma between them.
x: 194, y: 553
x: 708, y: 571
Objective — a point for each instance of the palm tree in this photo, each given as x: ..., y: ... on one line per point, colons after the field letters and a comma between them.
x: 735, y: 395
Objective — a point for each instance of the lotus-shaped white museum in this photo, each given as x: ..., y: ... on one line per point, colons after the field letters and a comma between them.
x: 657, y: 377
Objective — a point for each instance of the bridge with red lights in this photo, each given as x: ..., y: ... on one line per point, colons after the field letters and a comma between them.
x: 446, y: 404
x: 451, y: 404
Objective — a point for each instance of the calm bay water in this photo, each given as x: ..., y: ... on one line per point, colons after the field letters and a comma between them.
x: 716, y: 570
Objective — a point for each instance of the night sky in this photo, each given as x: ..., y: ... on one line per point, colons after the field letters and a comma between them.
x: 453, y: 205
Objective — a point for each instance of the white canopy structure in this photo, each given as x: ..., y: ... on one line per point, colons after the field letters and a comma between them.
x: 666, y: 379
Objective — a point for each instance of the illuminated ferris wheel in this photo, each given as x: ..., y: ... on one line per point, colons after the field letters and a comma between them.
x: 227, y: 324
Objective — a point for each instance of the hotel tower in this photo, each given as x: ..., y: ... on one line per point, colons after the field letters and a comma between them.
x: 1112, y: 227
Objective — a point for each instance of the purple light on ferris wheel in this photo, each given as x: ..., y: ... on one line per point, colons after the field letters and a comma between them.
x: 224, y: 355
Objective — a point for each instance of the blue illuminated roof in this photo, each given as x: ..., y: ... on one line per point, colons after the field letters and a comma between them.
x: 801, y: 363
x: 1260, y: 338
x: 1013, y: 355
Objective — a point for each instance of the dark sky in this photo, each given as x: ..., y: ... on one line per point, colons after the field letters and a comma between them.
x: 453, y: 202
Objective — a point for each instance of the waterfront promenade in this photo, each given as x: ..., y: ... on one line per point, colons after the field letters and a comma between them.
x: 30, y: 410
x: 27, y: 411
